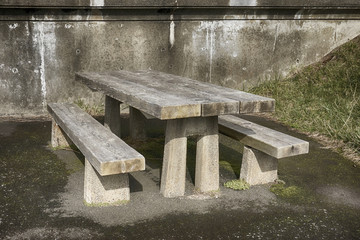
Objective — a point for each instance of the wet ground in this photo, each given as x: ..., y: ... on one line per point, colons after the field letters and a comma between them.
x: 41, y: 194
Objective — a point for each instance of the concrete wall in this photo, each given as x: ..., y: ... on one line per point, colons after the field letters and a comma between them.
x: 231, y: 43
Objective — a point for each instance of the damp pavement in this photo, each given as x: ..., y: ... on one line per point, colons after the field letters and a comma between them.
x: 41, y: 194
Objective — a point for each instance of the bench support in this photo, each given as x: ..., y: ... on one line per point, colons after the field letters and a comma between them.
x: 112, y: 189
x: 137, y: 124
x: 108, y: 159
x: 98, y: 190
x: 207, y: 155
x: 58, y: 137
x: 112, y: 115
x: 258, y: 167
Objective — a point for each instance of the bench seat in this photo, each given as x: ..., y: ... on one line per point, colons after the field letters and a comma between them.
x: 262, y: 148
x: 107, y: 157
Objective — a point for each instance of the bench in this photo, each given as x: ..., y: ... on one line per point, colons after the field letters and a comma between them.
x: 108, y: 159
x: 262, y: 148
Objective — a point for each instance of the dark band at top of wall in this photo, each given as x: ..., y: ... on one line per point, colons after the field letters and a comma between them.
x: 180, y: 3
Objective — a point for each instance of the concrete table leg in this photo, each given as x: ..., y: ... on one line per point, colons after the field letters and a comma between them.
x: 174, y: 163
x: 258, y: 167
x: 58, y: 137
x: 112, y: 115
x: 137, y: 124
x: 207, y: 157
x: 105, y: 190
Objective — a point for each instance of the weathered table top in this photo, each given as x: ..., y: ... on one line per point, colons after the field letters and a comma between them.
x: 167, y: 96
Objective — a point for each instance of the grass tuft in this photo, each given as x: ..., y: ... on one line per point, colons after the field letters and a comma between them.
x: 94, y: 110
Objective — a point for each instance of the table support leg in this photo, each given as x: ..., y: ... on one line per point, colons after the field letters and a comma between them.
x: 112, y: 115
x: 207, y: 157
x: 174, y: 163
x: 137, y: 124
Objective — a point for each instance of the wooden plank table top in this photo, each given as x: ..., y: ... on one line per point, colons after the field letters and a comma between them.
x: 166, y: 96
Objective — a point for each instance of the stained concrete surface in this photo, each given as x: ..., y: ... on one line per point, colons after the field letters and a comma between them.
x: 232, y: 43
x: 41, y: 194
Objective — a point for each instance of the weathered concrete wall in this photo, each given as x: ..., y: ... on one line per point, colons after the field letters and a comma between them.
x: 41, y: 49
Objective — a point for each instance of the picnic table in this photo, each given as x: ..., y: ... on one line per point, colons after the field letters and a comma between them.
x: 190, y: 107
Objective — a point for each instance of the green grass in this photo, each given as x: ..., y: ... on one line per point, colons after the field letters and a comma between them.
x: 323, y: 98
x: 94, y: 110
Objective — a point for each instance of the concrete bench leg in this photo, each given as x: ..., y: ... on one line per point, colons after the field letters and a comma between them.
x: 137, y: 124
x: 58, y: 137
x: 174, y: 163
x: 207, y: 157
x: 112, y: 115
x: 112, y: 189
x: 258, y: 167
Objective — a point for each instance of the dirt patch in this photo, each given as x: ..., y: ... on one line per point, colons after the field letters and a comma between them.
x: 341, y: 195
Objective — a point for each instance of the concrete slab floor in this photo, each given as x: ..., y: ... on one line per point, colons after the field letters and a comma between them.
x: 41, y: 195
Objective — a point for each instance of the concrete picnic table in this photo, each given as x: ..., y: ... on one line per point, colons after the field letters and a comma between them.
x: 190, y: 107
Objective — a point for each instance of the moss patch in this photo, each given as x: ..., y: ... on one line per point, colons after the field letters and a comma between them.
x: 238, y: 184
x: 231, y: 167
x: 152, y: 149
x: 226, y: 165
x: 31, y: 179
x: 292, y: 193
